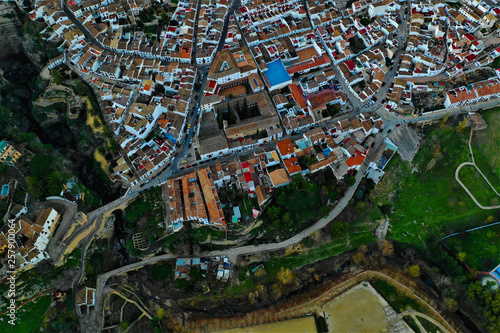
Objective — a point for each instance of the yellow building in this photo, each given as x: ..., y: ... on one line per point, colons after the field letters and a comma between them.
x: 8, y: 154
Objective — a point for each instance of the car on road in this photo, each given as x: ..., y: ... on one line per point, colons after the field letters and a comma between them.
x: 183, y: 142
x: 189, y: 147
x: 389, y: 131
x: 142, y: 185
x: 188, y: 166
x: 176, y: 154
x: 153, y: 177
x: 196, y: 97
x: 397, y: 125
x: 189, y: 126
x: 195, y: 122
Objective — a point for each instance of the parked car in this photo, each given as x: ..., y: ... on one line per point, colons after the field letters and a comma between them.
x: 397, y: 125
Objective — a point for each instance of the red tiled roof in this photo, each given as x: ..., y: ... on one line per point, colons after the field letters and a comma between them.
x: 285, y: 147
x: 297, y: 96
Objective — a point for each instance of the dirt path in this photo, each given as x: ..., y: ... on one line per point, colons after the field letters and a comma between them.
x: 473, y: 163
x: 415, y: 314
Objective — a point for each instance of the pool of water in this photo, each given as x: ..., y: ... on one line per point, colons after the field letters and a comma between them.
x: 276, y: 73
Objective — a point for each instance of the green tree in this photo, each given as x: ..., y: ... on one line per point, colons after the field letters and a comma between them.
x: 351, y: 180
x: 35, y: 187
x: 461, y: 256
x: 273, y: 212
x: 41, y: 166
x: 57, y: 77
x: 339, y: 228
x: 3, y: 168
x: 231, y: 115
x: 219, y: 119
x: 462, y: 125
x: 414, y: 270
x: 287, y: 219
x: 445, y: 118
x: 97, y: 123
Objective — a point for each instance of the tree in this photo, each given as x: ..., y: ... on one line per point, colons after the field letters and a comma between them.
x: 285, y: 276
x: 445, y: 118
x: 245, y: 106
x: 160, y: 313
x: 97, y: 122
x: 359, y: 258
x: 232, y: 116
x: 273, y: 212
x: 461, y: 256
x: 462, y: 125
x: 413, y: 270
x: 351, y: 180
x: 57, y: 77
x: 339, y: 228
x: 3, y: 168
x: 123, y: 326
x: 287, y: 219
x: 386, y: 247
x: 219, y: 119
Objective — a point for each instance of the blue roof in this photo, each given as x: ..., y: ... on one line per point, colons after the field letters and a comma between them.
x: 236, y: 211
x: 327, y: 152
x: 5, y: 190
x: 276, y: 73
x: 170, y: 137
x: 180, y: 262
x: 2, y: 145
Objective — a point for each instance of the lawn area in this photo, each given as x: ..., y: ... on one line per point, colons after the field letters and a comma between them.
x: 429, y: 198
x: 481, y: 247
x: 485, y: 146
x: 479, y: 188
x: 337, y: 246
x: 29, y: 318
x: 397, y: 299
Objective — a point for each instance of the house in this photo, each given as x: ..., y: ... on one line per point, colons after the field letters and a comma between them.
x: 279, y: 177
x: 285, y: 149
x: 85, y: 297
x: 8, y: 154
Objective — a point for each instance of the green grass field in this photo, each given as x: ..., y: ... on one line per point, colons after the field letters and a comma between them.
x: 29, y: 318
x: 481, y: 246
x: 429, y: 199
x: 479, y: 188
x: 486, y: 147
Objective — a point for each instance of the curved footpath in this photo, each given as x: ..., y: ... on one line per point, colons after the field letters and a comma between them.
x: 473, y: 163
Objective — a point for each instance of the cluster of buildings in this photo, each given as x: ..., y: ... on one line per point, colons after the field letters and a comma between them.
x: 341, y: 146
x: 219, y: 267
x: 30, y: 239
x: 8, y: 153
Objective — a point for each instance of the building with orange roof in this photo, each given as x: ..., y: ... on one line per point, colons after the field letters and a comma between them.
x: 285, y: 149
x: 279, y: 177
x: 297, y: 96
x: 292, y: 166
x: 356, y: 159
x: 212, y: 202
